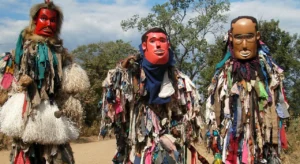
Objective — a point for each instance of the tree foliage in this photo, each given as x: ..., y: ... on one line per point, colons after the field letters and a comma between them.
x: 97, y: 59
x: 187, y: 22
x: 285, y: 49
x: 215, y: 53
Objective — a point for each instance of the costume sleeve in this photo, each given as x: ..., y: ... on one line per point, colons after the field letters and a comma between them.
x: 8, y: 82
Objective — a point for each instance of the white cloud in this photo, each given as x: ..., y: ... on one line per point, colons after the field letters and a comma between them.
x: 91, y: 21
x: 10, y: 30
x: 286, y: 11
x: 97, y: 22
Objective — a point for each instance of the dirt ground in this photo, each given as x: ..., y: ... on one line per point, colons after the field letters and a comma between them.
x: 91, y: 151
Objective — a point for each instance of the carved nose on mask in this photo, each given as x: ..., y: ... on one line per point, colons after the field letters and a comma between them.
x: 244, y: 43
x: 48, y: 22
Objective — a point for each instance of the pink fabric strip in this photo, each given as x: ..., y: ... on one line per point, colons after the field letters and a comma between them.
x: 148, y: 159
x: 155, y: 122
x: 7, y: 80
x: 118, y: 106
x: 245, y: 153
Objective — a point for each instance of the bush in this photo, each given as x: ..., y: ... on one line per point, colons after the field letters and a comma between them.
x: 293, y: 135
x: 5, y: 142
x: 93, y: 130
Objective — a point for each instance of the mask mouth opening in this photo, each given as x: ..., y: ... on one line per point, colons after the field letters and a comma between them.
x: 159, y: 52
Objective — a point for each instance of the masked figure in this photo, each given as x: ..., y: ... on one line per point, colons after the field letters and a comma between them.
x: 153, y: 106
x: 38, y: 82
x: 246, y: 107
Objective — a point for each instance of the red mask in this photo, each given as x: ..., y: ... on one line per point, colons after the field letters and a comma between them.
x: 45, y: 22
x: 156, y: 48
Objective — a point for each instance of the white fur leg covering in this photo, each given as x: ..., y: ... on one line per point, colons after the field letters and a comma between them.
x: 74, y: 79
x: 11, y: 122
x: 45, y: 128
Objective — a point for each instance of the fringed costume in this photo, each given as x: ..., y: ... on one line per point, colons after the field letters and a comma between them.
x: 246, y: 109
x: 155, y: 113
x: 40, y: 111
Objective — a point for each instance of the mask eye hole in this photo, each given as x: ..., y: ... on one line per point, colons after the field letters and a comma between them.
x: 238, y: 38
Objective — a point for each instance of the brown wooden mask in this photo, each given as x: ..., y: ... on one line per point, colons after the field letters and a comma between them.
x: 244, y: 38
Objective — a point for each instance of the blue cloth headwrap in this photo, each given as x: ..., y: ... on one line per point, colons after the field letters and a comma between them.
x: 154, y: 77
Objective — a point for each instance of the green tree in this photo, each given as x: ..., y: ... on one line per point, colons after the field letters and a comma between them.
x: 214, y: 55
x: 187, y: 22
x: 285, y: 49
x: 97, y: 59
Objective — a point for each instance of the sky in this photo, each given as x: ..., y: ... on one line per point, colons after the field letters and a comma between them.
x: 91, y: 21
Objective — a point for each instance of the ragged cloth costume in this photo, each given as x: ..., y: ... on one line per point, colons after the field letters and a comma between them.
x: 246, y: 108
x: 154, y: 110
x: 41, y: 111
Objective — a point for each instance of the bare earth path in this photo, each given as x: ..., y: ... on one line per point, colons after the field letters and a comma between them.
x: 92, y: 151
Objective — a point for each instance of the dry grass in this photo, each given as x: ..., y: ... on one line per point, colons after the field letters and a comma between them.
x: 292, y: 155
x: 93, y: 130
